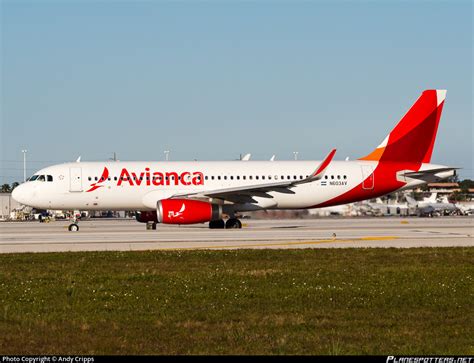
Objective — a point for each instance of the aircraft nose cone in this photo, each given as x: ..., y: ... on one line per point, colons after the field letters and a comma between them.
x: 20, y: 194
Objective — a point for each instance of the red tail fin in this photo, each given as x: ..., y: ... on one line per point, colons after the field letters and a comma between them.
x: 412, y: 140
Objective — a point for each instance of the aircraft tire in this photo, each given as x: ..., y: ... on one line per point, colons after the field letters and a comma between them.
x: 219, y: 224
x: 233, y: 223
x: 73, y: 227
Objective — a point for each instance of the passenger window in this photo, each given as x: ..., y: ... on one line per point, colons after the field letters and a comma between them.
x: 269, y: 177
x: 212, y: 177
x: 256, y: 177
x: 219, y: 177
x: 325, y: 177
x: 231, y: 177
x: 225, y: 177
x: 115, y: 178
x: 294, y: 176
x: 89, y: 178
x: 250, y: 177
x: 332, y: 176
x: 244, y: 177
x: 50, y: 178
x: 339, y: 177
x: 238, y: 177
x: 301, y: 176
x: 345, y: 177
x: 263, y: 177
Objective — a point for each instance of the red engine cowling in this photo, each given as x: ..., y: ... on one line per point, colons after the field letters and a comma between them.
x: 184, y: 211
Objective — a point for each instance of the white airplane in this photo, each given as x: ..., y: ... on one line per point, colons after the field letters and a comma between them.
x: 388, y: 208
x: 196, y: 192
x: 430, y: 205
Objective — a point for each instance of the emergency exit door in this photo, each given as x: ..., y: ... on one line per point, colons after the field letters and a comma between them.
x: 75, y: 179
x: 367, y: 177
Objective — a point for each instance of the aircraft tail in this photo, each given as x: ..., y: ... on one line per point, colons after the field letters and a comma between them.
x: 432, y: 198
x: 445, y: 199
x: 410, y: 200
x: 413, y: 138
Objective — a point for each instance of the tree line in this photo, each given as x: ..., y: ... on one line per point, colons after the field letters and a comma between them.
x: 7, y: 188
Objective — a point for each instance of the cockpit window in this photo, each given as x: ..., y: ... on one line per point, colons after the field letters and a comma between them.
x: 49, y: 178
x: 41, y: 178
x: 34, y: 177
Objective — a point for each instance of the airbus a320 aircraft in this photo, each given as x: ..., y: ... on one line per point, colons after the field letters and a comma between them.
x: 199, y: 192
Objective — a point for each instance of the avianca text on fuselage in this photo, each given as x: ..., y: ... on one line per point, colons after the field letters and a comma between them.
x: 158, y: 178
x: 149, y: 178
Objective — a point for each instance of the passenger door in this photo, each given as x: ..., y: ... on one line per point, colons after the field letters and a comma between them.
x: 75, y: 179
x: 367, y: 177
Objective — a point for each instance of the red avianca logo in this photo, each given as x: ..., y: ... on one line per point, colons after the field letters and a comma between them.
x: 105, y: 175
x: 148, y: 178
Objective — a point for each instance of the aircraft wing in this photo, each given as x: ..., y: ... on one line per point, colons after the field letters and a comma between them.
x: 244, y: 194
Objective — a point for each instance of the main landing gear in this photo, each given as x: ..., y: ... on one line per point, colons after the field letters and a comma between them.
x: 151, y: 225
x: 220, y: 224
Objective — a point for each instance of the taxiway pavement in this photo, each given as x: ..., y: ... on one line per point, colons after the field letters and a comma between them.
x: 129, y: 235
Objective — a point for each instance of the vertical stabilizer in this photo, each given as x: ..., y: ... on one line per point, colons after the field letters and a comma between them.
x: 413, y: 138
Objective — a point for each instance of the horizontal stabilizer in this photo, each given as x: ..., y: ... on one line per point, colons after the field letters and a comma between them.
x: 424, y: 173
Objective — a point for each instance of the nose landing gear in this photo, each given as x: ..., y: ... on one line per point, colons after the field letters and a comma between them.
x: 73, y: 227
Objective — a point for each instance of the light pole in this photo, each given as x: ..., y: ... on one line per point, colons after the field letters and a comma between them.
x: 296, y: 154
x: 167, y: 154
x: 24, y: 151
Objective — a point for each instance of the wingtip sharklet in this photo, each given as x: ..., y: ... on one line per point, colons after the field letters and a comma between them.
x: 324, y: 164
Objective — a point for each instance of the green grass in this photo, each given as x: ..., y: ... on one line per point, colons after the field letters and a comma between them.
x: 321, y: 301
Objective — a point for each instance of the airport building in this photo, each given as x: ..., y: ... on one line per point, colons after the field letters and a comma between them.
x: 7, y: 205
x: 445, y: 189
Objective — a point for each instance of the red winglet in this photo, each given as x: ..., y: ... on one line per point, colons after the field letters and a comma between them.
x: 322, y: 167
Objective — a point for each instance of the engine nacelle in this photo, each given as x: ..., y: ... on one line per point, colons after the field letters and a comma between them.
x: 184, y: 211
x: 146, y: 216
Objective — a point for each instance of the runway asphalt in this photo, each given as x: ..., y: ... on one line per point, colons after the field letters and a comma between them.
x: 129, y: 235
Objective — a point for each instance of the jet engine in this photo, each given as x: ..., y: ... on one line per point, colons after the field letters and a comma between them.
x: 185, y: 211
